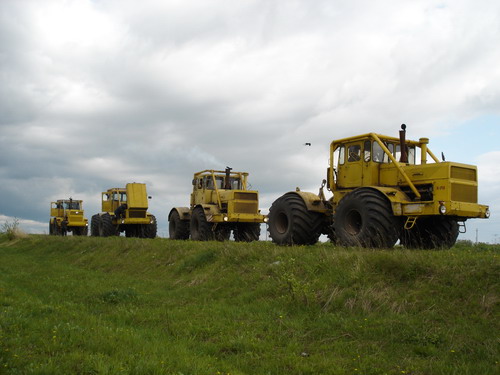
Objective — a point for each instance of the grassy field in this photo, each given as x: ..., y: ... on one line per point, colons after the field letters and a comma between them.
x: 119, y: 305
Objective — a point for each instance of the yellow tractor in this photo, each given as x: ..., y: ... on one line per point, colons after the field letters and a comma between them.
x: 220, y: 203
x: 124, y: 210
x: 384, y: 189
x: 67, y: 216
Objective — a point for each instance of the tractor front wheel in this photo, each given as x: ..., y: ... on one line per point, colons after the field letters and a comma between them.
x: 201, y: 229
x: 364, y: 218
x: 247, y: 232
x: 436, y: 232
x: 178, y: 229
x: 151, y: 228
x: 106, y: 227
x: 222, y: 232
x: 95, y: 223
x: 290, y: 223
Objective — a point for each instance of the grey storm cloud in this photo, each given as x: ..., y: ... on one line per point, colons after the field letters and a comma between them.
x: 95, y: 94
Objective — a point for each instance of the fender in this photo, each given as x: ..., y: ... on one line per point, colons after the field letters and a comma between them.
x: 184, y: 213
x: 394, y: 196
x: 312, y: 201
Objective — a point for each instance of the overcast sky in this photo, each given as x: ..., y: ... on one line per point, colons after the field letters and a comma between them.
x: 95, y: 94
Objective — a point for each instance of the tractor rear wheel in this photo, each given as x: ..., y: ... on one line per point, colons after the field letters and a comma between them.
x: 178, y: 229
x: 436, y: 232
x: 95, y: 223
x: 290, y: 223
x: 51, y: 228
x: 364, y: 218
x: 151, y: 228
x: 106, y: 227
x: 247, y: 232
x: 201, y: 229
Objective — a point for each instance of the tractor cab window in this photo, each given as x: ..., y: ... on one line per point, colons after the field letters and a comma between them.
x: 115, y: 196
x: 412, y: 155
x: 367, y: 150
x: 74, y: 205
x: 123, y: 197
x: 386, y: 159
x: 208, y: 183
x: 219, y: 180
x: 378, y: 153
x: 354, y: 153
x: 339, y: 156
x: 235, y: 184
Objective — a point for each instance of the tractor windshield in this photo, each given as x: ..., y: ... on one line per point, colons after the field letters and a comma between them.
x: 380, y: 156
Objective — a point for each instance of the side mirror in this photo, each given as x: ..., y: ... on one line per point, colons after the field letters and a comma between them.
x: 149, y: 196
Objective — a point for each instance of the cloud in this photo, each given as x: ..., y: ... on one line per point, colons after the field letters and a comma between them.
x: 97, y: 94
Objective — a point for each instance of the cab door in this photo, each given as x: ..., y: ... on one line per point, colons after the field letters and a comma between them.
x: 350, y: 173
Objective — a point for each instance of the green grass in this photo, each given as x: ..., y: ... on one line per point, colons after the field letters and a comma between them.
x: 78, y: 305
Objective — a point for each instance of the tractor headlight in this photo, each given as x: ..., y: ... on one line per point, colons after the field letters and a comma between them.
x: 487, y: 213
x: 226, y: 218
x: 442, y: 209
x: 266, y: 219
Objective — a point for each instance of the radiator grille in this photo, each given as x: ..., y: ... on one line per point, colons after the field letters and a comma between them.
x: 245, y: 196
x: 242, y: 207
x: 137, y: 214
x: 463, y: 173
x: 464, y: 193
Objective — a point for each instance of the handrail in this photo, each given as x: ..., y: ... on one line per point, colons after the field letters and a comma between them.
x: 396, y: 164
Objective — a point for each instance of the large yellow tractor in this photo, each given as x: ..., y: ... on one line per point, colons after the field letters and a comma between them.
x: 220, y: 203
x: 67, y: 216
x: 384, y: 189
x: 124, y: 210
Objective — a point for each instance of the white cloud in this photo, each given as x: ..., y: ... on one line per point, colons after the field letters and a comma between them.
x: 96, y: 94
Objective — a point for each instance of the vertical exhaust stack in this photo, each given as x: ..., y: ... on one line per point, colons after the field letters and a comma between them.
x: 227, y: 184
x: 402, y: 141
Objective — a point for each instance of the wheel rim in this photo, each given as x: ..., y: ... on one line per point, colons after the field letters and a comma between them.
x: 353, y: 222
x: 281, y: 223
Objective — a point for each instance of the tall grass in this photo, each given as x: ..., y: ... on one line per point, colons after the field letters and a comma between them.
x: 124, y: 305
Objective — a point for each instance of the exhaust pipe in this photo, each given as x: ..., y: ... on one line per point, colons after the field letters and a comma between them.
x: 402, y: 142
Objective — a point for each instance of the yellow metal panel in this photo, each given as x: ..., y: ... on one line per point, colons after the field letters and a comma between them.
x: 463, y: 173
x: 463, y: 193
x: 137, y: 196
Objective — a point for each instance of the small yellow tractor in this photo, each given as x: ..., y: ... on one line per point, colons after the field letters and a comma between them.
x: 124, y: 210
x: 220, y: 203
x: 384, y: 189
x: 67, y: 216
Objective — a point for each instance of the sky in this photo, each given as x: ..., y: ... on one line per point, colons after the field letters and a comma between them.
x: 98, y: 93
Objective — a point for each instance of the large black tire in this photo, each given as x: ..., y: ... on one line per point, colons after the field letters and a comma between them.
x: 364, y: 218
x: 436, y: 232
x: 77, y: 231
x: 95, y: 223
x: 247, y: 232
x: 178, y: 229
x: 290, y: 223
x: 56, y: 230
x: 200, y: 228
x: 222, y: 232
x: 151, y: 229
x: 131, y: 230
x: 106, y: 227
x: 51, y: 228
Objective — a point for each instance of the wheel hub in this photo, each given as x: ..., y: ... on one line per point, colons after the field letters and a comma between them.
x: 353, y: 222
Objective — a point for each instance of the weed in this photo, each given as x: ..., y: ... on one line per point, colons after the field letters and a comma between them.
x: 12, y: 230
